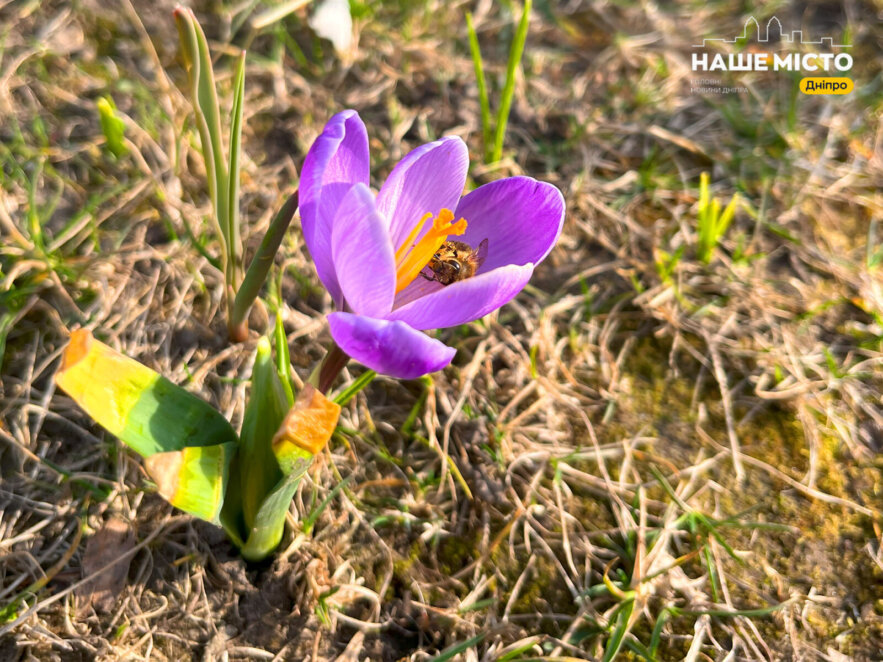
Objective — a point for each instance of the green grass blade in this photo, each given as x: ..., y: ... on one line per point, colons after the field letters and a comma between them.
x: 656, y: 637
x: 408, y: 425
x: 515, y: 52
x: 353, y: 389
x: 723, y: 223
x: 703, y: 247
x: 6, y: 320
x: 481, y: 80
x: 620, y: 631
x: 727, y: 613
x: 314, y: 515
x: 517, y: 652
x: 639, y: 649
x: 703, y: 196
x: 714, y: 580
x: 35, y: 226
x: 451, y: 652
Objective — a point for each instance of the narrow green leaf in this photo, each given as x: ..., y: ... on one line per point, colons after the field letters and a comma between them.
x: 35, y: 226
x: 481, y: 81
x: 408, y: 425
x: 451, y: 652
x: 207, y: 113
x: 314, y: 515
x: 703, y: 196
x: 639, y: 649
x: 516, y: 50
x: 283, y: 359
x: 656, y: 637
x: 732, y: 613
x: 234, y: 239
x: 353, y: 389
x: 256, y: 275
x: 267, y: 404
x: 619, y: 632
x: 269, y: 522
x: 712, y: 572
x: 207, y: 99
x: 711, y: 525
x: 726, y: 217
x: 517, y: 652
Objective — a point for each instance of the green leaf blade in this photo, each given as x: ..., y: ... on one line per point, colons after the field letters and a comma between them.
x: 515, y: 52
x: 259, y: 470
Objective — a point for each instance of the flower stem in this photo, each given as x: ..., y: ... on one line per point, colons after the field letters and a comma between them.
x: 327, y: 371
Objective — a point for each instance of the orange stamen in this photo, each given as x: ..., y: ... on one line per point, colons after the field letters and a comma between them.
x: 411, y: 258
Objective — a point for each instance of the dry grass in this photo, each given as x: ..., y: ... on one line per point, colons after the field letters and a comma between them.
x: 750, y: 385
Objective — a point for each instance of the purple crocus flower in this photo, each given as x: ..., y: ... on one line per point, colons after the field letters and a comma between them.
x: 371, y: 251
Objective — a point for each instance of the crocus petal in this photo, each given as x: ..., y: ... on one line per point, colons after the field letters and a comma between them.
x: 520, y: 217
x: 465, y: 300
x: 428, y: 179
x: 363, y: 255
x: 419, y: 287
x: 390, y: 348
x: 337, y: 160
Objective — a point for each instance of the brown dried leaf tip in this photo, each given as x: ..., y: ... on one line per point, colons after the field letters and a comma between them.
x: 308, y: 425
x: 110, y: 542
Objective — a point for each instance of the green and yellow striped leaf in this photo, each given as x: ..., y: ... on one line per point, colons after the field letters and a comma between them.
x: 145, y: 410
x: 193, y: 479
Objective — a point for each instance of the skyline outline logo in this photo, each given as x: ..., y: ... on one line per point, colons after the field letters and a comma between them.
x: 822, y: 55
x: 794, y: 37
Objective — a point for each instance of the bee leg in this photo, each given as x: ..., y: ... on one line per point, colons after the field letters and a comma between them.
x: 428, y: 277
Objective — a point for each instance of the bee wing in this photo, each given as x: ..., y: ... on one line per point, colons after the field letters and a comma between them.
x: 481, y: 253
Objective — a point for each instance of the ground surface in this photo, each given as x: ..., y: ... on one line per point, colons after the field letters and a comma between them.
x: 513, y: 506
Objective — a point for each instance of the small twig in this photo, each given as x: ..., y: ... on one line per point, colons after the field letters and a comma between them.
x: 721, y: 377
